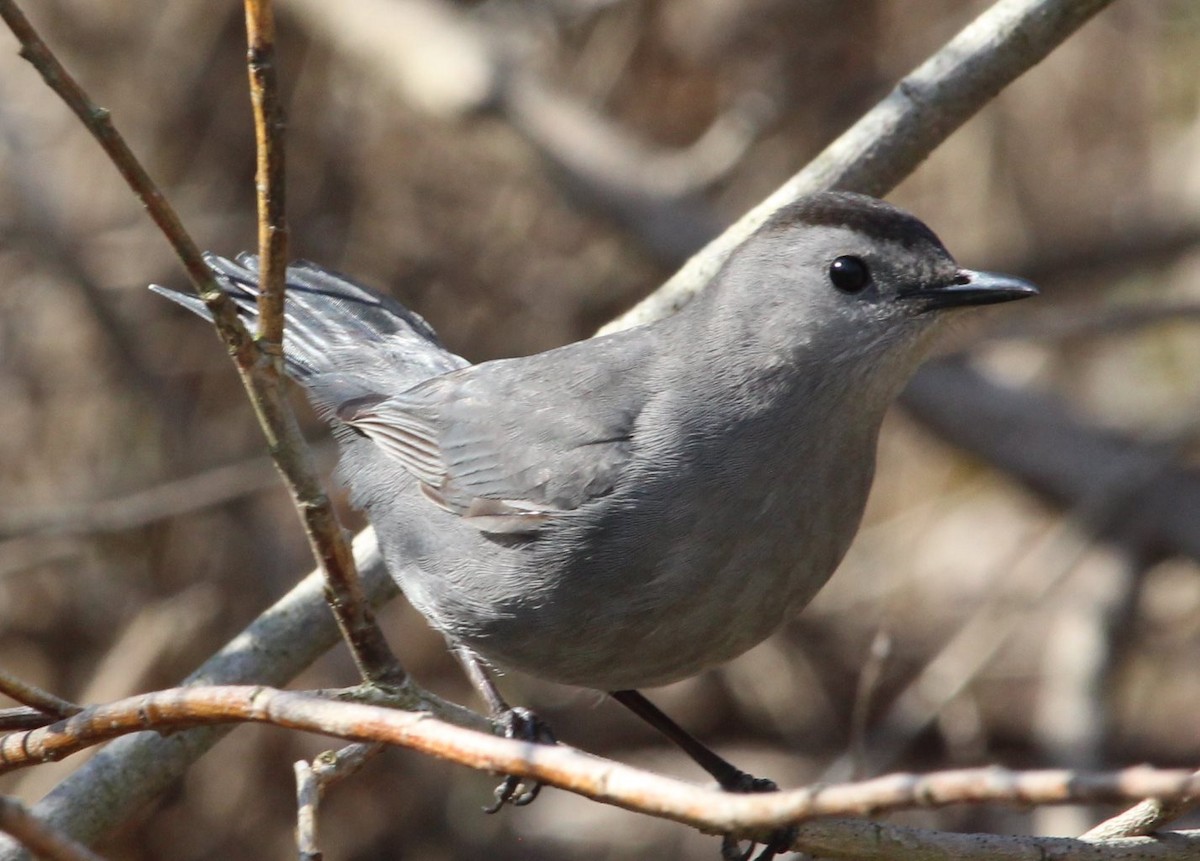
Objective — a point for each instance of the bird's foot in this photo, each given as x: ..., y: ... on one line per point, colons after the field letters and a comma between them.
x: 778, y: 843
x: 523, y: 725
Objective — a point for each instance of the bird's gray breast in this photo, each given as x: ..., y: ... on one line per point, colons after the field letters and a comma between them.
x: 719, y: 530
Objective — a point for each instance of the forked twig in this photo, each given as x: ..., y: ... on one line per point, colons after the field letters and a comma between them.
x: 259, y: 371
x: 36, y: 698
x: 314, y: 779
x: 1054, y: 20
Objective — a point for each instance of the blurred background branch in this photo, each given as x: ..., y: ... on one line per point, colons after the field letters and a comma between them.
x: 1078, y: 176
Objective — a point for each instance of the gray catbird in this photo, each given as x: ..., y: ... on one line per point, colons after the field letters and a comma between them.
x: 625, y: 511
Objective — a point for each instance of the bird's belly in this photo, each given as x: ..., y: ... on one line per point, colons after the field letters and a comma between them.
x: 632, y: 593
x: 602, y: 624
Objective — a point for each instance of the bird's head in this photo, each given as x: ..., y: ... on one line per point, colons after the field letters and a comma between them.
x: 843, y: 276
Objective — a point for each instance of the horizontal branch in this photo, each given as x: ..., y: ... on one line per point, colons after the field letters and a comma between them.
x: 865, y: 840
x: 710, y: 810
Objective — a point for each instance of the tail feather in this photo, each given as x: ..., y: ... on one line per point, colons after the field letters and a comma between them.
x: 355, y: 307
x: 337, y: 333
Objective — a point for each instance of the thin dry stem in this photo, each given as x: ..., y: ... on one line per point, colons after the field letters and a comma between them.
x: 269, y: 124
x: 36, y: 698
x: 875, y: 834
x: 326, y: 537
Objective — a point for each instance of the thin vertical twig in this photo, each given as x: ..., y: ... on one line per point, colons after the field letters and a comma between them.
x: 864, y: 697
x: 344, y: 592
x: 269, y: 125
x: 135, y: 772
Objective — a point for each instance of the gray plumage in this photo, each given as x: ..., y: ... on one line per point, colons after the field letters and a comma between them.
x: 625, y: 511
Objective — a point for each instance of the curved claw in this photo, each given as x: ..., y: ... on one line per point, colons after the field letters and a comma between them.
x: 506, y: 793
x: 523, y: 725
x: 779, y: 843
x: 731, y: 851
x: 781, y: 839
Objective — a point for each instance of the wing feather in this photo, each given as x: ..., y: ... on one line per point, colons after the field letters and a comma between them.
x: 511, y: 445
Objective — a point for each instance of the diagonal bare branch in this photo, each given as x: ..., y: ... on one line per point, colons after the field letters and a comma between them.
x: 50, y: 845
x: 894, y: 137
x: 1059, y: 18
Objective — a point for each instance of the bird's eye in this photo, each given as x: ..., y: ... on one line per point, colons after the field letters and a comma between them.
x: 849, y: 274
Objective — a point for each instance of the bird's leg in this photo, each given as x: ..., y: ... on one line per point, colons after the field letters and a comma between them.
x: 729, y: 776
x: 519, y: 723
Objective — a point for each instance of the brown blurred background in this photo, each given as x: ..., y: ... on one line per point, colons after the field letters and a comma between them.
x: 519, y: 172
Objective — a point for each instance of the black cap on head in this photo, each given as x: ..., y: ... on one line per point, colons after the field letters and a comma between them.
x: 867, y: 215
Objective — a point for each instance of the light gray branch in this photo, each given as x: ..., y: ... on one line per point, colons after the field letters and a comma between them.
x: 864, y: 840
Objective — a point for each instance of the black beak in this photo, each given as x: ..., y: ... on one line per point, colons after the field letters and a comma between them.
x: 973, y: 288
